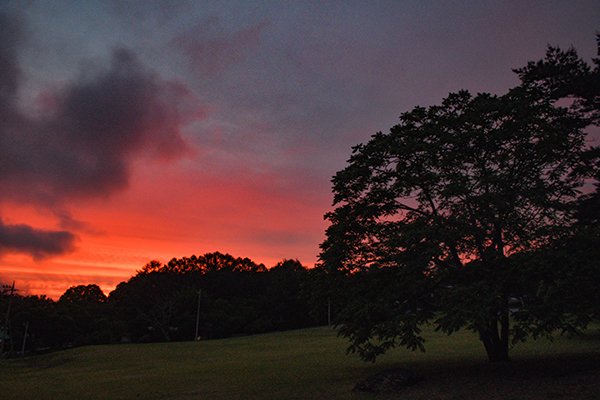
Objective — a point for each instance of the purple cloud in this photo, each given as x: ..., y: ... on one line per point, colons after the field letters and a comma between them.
x: 98, y: 124
x: 36, y: 242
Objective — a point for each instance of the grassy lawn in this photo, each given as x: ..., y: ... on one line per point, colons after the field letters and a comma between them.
x: 305, y: 364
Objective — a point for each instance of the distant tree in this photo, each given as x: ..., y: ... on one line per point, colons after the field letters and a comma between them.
x: 160, y: 301
x: 235, y: 291
x: 34, y: 322
x: 152, y: 266
x: 83, y: 294
x: 38, y: 321
x: 149, y: 303
x: 288, y: 299
x: 431, y: 217
x: 85, y: 310
x: 208, y: 262
x: 217, y: 261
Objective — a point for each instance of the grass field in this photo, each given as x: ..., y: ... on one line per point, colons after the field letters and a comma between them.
x: 305, y: 364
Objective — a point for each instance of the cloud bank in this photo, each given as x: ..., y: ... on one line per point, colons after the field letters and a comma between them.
x: 83, y: 143
x: 38, y: 243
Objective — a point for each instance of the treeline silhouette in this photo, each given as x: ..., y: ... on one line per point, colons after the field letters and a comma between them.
x: 210, y: 296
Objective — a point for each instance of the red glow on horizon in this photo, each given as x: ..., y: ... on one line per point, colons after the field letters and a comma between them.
x: 166, y: 214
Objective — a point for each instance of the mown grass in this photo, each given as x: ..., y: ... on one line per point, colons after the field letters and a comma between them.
x: 304, y: 364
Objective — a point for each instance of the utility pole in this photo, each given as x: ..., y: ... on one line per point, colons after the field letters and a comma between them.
x: 198, y: 314
x: 24, y: 339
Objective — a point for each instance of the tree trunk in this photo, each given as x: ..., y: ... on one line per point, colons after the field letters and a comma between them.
x: 496, y: 343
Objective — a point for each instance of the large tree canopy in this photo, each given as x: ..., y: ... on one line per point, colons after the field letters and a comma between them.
x: 431, y: 216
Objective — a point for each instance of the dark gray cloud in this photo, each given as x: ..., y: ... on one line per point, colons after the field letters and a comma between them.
x: 86, y: 138
x: 36, y: 242
x: 87, y: 143
x: 93, y: 128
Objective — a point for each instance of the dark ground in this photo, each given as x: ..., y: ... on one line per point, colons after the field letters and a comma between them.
x: 574, y: 376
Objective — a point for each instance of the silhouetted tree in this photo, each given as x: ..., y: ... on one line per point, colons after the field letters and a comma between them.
x: 148, y: 304
x: 287, y: 295
x: 35, y: 319
x: 85, y: 309
x: 235, y: 290
x: 83, y: 294
x: 159, y: 302
x: 430, y: 217
x: 47, y: 327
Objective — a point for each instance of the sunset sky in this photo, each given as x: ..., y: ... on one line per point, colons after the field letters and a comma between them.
x: 132, y: 131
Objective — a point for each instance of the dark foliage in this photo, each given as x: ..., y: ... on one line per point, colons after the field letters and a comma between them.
x: 87, y: 318
x: 234, y: 296
x: 464, y: 215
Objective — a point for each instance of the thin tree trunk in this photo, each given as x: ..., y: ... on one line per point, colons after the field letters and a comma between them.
x: 496, y: 345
